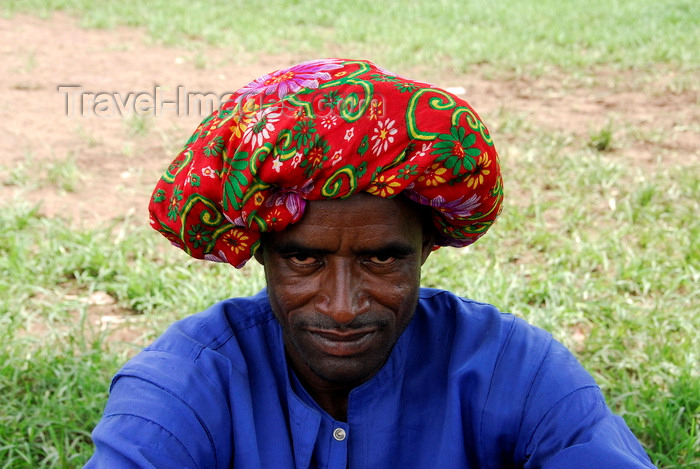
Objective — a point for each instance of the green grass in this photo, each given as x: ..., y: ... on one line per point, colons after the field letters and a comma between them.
x: 60, y: 173
x: 64, y: 173
x: 55, y: 364
x: 560, y: 256
x: 592, y: 246
x: 602, y: 140
x: 605, y: 256
x: 48, y: 399
x: 138, y: 125
x: 444, y: 34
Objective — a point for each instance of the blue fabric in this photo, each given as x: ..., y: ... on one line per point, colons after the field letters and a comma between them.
x: 465, y: 386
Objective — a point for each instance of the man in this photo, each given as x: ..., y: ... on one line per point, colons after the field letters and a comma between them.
x: 340, y: 178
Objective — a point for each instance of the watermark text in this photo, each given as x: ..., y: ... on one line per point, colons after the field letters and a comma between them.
x: 180, y: 102
x: 154, y: 102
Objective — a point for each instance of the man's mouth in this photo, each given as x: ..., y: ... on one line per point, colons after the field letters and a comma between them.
x: 342, y: 343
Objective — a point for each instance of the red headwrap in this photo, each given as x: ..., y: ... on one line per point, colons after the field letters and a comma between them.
x: 319, y: 130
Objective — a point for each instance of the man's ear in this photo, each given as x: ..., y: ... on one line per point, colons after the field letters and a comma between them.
x: 258, y: 255
x: 427, y: 248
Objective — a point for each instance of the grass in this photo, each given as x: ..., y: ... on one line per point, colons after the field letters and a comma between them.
x: 593, y: 246
x: 138, y: 125
x: 55, y: 364
x: 46, y: 400
x: 602, y: 139
x: 617, y: 285
x: 64, y: 173
x: 444, y: 34
x: 60, y: 173
x: 615, y: 282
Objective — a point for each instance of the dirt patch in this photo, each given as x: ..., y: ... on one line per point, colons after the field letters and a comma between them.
x: 96, y: 314
x: 118, y: 156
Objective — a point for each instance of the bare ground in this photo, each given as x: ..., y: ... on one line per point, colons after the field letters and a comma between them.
x: 654, y: 113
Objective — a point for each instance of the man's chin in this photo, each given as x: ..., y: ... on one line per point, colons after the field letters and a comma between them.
x: 347, y: 371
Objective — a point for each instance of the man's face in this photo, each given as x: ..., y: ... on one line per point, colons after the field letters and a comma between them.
x: 343, y: 283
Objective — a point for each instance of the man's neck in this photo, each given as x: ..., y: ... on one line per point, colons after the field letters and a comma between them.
x: 331, y: 397
x: 335, y: 403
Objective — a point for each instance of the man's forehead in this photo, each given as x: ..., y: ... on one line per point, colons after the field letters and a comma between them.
x: 362, y: 218
x: 361, y: 208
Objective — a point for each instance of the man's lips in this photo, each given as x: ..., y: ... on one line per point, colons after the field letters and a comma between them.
x: 342, y: 343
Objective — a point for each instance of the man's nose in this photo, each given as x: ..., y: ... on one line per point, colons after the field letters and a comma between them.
x: 341, y: 295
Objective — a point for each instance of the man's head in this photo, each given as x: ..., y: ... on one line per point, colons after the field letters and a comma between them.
x: 339, y: 177
x: 324, y: 130
x: 343, y: 283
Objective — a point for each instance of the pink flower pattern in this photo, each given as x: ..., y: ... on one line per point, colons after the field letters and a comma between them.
x: 327, y: 129
x: 291, y: 80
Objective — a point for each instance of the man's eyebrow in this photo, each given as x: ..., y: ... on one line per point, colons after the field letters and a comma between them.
x: 290, y: 247
x: 394, y: 249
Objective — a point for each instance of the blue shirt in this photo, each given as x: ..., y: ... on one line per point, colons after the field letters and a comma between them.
x: 465, y: 386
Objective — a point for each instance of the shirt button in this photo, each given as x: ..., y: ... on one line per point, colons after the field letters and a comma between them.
x: 339, y: 434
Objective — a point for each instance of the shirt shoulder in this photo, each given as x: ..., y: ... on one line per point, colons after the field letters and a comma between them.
x: 182, y: 391
x: 473, y: 327
x: 218, y: 343
x: 497, y: 360
x: 513, y: 354
x: 215, y: 326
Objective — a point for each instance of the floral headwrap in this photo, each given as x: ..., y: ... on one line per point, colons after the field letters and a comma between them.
x: 320, y: 130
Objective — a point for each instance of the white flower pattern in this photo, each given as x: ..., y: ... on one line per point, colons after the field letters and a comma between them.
x: 383, y: 136
x: 209, y: 172
x: 258, y: 131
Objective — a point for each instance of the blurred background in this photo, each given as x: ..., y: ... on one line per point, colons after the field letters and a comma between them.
x: 593, y: 106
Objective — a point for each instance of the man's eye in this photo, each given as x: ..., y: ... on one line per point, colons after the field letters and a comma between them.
x: 302, y: 259
x: 381, y: 259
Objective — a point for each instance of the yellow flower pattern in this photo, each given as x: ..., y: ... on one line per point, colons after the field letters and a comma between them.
x: 326, y: 129
x: 434, y: 175
x: 237, y: 241
x: 384, y: 186
x: 476, y: 178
